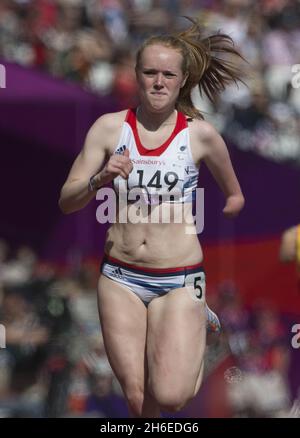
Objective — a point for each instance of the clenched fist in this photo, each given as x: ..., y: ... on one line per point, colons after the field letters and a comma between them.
x: 116, y: 165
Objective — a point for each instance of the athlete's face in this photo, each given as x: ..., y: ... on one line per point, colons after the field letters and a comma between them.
x: 160, y: 76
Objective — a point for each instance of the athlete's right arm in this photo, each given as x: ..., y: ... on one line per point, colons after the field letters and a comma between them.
x: 75, y: 193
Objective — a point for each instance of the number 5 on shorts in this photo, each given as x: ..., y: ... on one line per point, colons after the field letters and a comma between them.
x: 196, y: 285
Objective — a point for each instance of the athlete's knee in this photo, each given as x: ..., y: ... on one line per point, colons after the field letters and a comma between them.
x: 171, y: 399
x: 174, y: 404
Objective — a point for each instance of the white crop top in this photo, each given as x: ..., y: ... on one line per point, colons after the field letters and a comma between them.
x: 164, y: 174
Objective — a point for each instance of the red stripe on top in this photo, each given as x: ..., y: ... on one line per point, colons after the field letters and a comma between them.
x: 153, y: 270
x: 181, y: 124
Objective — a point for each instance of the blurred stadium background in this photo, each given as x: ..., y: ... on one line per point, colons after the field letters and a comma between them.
x: 66, y: 63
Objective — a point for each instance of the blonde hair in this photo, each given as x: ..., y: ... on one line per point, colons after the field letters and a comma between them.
x: 210, y: 72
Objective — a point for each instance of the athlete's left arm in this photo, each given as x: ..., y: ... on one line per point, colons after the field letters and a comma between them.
x: 218, y: 161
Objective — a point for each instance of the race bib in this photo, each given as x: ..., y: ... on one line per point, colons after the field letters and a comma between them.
x: 195, y: 283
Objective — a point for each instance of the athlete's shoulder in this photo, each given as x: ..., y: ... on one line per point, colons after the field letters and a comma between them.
x: 110, y: 121
x: 105, y: 130
x: 204, y: 130
x: 206, y: 140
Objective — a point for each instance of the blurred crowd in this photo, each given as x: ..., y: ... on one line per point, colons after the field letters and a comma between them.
x: 53, y: 363
x: 52, y: 357
x: 93, y: 42
x: 257, y: 338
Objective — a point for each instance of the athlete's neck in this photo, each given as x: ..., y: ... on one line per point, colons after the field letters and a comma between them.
x: 153, y: 121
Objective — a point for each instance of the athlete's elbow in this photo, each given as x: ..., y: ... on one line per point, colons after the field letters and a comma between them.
x: 64, y: 207
x: 234, y: 205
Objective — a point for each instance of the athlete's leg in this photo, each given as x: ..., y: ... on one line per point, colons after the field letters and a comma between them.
x: 175, y: 347
x: 123, y: 318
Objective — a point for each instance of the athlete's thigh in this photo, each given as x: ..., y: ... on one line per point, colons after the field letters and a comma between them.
x: 176, y: 339
x: 123, y: 319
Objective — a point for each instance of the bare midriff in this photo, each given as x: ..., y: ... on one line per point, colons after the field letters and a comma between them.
x: 157, y: 245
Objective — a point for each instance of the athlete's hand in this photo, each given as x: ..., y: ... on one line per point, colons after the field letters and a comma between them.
x: 117, y: 165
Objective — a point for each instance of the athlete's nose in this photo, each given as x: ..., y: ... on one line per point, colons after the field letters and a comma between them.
x: 158, y: 84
